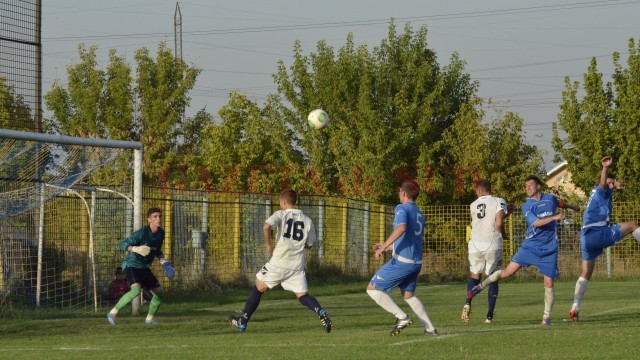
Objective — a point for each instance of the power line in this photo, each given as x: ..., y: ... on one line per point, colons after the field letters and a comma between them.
x: 485, y: 13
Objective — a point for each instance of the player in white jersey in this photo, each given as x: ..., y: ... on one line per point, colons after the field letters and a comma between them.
x: 485, y: 245
x: 295, y: 233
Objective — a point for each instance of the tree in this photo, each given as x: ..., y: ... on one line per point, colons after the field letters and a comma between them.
x: 248, y: 150
x: 603, y: 122
x: 114, y: 104
x: 162, y: 87
x: 14, y: 111
x: 386, y: 106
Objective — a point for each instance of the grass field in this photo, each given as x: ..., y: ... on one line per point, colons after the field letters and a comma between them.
x: 281, y: 328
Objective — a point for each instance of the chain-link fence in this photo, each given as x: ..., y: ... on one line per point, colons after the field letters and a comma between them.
x: 20, y: 67
x: 215, y: 241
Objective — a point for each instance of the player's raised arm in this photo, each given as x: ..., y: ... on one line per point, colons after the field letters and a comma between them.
x: 606, y: 162
x: 564, y: 205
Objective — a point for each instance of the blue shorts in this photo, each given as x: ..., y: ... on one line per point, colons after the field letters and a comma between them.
x: 594, y: 240
x: 396, y: 273
x: 545, y: 258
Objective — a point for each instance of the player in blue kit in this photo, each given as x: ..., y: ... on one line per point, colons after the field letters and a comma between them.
x: 596, y: 233
x: 404, y: 267
x: 540, y: 246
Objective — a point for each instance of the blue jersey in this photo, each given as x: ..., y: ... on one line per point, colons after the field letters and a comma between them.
x: 409, y: 245
x: 598, y: 208
x: 534, y: 210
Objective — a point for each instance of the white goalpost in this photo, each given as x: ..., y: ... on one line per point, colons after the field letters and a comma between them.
x: 37, y: 174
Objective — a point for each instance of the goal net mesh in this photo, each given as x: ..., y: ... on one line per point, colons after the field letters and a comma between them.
x: 58, y: 233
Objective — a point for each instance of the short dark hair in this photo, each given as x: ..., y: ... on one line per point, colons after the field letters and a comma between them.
x: 610, y: 176
x: 411, y: 187
x: 534, y: 178
x: 484, y: 185
x: 153, y: 210
x: 289, y: 196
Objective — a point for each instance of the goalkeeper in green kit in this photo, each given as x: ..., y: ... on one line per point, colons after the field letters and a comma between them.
x: 142, y: 247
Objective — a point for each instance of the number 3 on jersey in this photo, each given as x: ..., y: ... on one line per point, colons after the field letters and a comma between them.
x: 298, y: 230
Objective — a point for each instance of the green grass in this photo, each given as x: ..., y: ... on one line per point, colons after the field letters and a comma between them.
x: 281, y: 328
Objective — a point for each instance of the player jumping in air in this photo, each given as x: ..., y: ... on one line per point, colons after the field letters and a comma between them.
x: 295, y: 233
x: 596, y: 233
x: 540, y: 247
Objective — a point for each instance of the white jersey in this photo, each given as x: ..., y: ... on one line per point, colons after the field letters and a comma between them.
x: 484, y: 235
x: 295, y: 230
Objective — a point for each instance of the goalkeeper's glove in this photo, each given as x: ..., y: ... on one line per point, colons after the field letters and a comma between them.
x: 168, y: 268
x: 143, y: 250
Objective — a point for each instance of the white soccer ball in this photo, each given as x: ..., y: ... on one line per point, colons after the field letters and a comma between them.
x: 318, y: 119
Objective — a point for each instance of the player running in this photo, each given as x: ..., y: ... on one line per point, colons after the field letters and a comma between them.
x: 295, y: 233
x: 405, y: 266
x: 596, y: 233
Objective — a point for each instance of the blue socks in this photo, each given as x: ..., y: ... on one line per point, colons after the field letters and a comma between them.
x: 251, y: 305
x: 472, y: 282
x: 311, y: 303
x: 493, y: 297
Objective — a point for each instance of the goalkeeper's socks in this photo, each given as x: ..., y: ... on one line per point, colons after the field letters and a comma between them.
x: 472, y: 282
x: 251, y: 305
x: 311, y: 303
x: 636, y: 234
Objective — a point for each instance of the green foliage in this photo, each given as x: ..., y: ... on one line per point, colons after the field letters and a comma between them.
x: 387, y: 106
x: 603, y: 121
x: 14, y: 111
x: 112, y: 103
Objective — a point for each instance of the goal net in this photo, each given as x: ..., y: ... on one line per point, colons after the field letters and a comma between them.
x: 58, y: 230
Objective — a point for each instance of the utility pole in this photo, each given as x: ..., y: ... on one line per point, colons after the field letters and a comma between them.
x: 177, y: 32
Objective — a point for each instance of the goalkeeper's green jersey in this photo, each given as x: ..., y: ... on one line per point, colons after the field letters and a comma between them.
x: 144, y: 236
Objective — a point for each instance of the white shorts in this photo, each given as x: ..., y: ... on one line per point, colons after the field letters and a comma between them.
x: 489, y: 261
x: 291, y: 280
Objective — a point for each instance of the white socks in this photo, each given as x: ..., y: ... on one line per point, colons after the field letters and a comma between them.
x: 495, y: 276
x: 549, y: 297
x: 636, y: 234
x: 581, y: 288
x: 386, y: 302
x: 418, y: 308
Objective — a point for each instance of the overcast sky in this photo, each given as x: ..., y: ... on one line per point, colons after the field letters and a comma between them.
x: 520, y: 51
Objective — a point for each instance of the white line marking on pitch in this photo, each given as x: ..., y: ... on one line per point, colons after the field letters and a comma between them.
x: 615, y: 310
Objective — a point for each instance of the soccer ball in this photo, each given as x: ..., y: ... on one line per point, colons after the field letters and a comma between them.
x: 318, y: 119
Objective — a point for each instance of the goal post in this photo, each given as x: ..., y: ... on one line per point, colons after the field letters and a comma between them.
x: 35, y: 169
x: 136, y: 146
